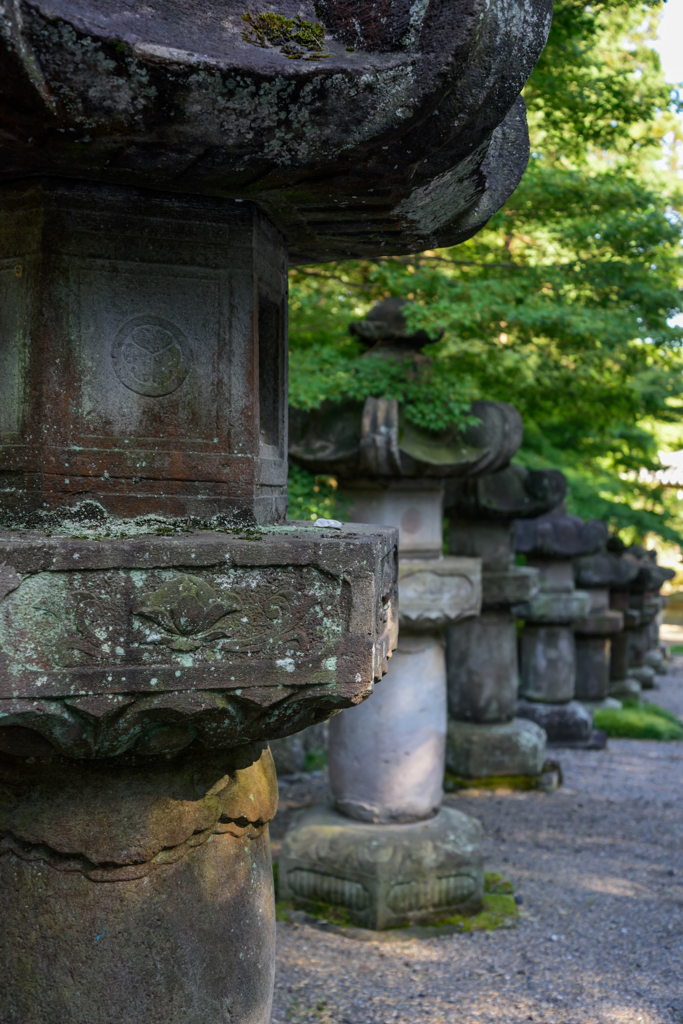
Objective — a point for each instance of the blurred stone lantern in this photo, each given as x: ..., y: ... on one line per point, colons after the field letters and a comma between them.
x: 386, y: 849
x: 486, y: 739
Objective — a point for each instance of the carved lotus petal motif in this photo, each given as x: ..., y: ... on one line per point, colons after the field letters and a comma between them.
x: 190, y: 610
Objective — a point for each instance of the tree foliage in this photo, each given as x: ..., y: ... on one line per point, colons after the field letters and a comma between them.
x: 564, y: 303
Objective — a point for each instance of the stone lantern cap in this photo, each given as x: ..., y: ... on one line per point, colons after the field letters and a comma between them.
x: 559, y: 536
x: 606, y: 569
x: 362, y: 128
x: 512, y: 493
x: 386, y: 325
x: 649, y: 575
x: 377, y: 440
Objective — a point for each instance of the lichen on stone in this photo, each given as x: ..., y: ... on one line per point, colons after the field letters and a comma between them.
x: 297, y: 38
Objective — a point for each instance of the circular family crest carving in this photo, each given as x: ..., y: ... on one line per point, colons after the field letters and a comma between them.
x: 151, y: 356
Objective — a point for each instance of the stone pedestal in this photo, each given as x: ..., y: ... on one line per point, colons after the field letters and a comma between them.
x: 548, y: 649
x: 484, y: 738
x: 637, y: 598
x: 386, y: 757
x: 385, y: 876
x: 135, y: 889
x: 387, y: 851
x: 599, y: 636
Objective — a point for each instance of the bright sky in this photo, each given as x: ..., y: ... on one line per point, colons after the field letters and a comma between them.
x: 670, y: 43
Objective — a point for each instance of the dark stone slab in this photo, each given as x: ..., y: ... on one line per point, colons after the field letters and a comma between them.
x: 511, y: 493
x: 605, y: 569
x: 560, y: 536
x: 604, y: 623
x: 562, y: 722
x: 360, y: 129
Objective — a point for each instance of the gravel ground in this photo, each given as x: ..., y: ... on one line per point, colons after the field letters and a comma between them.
x: 599, y: 867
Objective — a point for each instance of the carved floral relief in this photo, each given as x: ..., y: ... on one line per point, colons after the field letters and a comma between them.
x: 136, y: 617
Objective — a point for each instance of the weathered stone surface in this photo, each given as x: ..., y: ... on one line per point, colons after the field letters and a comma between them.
x: 482, y: 668
x: 386, y: 758
x: 493, y: 542
x: 154, y: 643
x: 478, y: 751
x: 638, y: 643
x: 374, y: 130
x: 384, y: 876
x: 150, y: 879
x: 555, y: 607
x: 651, y: 576
x: 556, y: 574
x: 599, y: 599
x: 144, y: 355
x: 560, y: 536
x: 547, y: 664
x: 414, y: 507
x: 439, y: 592
x: 570, y: 721
x: 645, y: 675
x: 604, y: 623
x: 627, y: 688
x: 375, y: 440
x: 592, y: 667
x: 505, y: 587
x: 605, y: 569
x: 655, y: 659
x: 511, y: 493
x: 619, y: 656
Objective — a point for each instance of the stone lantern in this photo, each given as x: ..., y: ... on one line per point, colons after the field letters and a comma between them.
x: 602, y: 631
x: 484, y: 736
x: 547, y: 644
x: 386, y: 849
x: 160, y: 165
x: 639, y: 601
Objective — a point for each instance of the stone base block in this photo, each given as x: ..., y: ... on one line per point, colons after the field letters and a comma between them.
x: 562, y: 722
x: 384, y: 875
x: 625, y: 689
x: 645, y: 675
x: 477, y: 751
x: 596, y: 741
x: 655, y: 659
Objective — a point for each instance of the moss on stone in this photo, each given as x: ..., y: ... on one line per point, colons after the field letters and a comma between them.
x: 453, y: 783
x: 499, y: 910
x: 639, y: 720
x: 297, y: 38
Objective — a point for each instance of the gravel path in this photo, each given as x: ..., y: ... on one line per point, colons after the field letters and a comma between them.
x: 599, y: 867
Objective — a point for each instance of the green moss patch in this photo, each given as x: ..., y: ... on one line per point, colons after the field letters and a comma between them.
x: 549, y: 779
x: 499, y: 910
x: 639, y: 720
x: 296, y: 38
